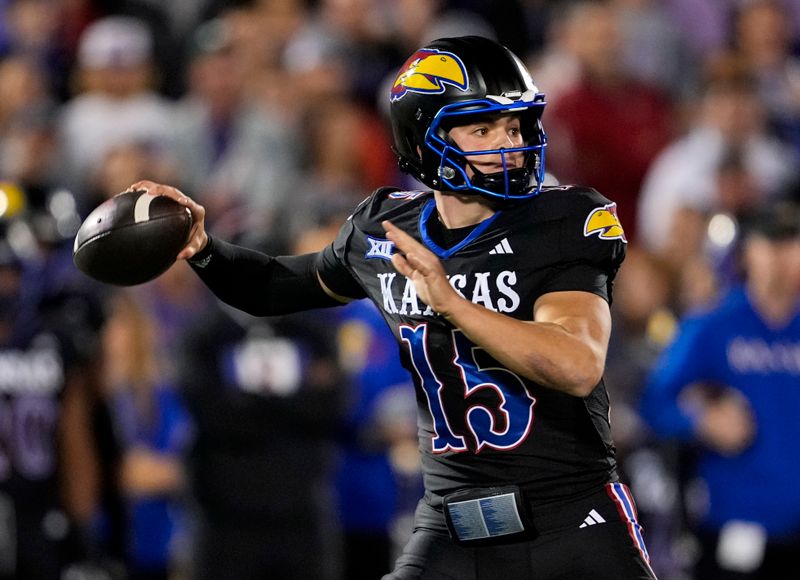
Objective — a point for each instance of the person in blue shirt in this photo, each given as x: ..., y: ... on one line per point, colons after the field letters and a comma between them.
x: 729, y: 386
x: 154, y: 430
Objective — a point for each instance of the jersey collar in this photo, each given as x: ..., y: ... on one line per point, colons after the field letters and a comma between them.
x: 424, y: 216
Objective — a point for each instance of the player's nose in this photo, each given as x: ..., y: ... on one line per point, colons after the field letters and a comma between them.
x: 504, y: 140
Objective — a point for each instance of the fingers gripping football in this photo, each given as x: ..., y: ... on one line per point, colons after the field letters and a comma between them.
x: 198, y: 238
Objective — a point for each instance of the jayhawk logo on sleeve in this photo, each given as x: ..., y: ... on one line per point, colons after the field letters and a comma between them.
x: 428, y: 71
x: 604, y: 222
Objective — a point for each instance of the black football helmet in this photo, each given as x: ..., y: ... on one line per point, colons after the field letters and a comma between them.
x: 445, y: 84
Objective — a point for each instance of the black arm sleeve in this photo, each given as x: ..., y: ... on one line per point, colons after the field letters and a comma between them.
x: 259, y: 284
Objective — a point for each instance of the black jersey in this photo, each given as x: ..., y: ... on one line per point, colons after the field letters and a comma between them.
x: 33, y: 377
x: 479, y: 423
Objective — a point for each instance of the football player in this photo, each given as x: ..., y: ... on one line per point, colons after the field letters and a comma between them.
x: 497, y: 289
x: 50, y: 468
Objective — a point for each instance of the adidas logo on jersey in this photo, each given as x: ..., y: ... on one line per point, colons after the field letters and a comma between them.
x: 502, y: 248
x: 592, y: 519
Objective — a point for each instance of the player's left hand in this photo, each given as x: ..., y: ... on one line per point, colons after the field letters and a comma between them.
x: 423, y: 268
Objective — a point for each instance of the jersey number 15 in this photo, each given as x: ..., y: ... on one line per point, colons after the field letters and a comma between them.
x: 515, y: 407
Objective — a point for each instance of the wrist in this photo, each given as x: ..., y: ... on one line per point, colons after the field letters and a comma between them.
x: 203, y: 256
x: 455, y: 309
x: 205, y: 243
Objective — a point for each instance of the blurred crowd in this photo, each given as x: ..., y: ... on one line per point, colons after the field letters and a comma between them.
x: 150, y: 432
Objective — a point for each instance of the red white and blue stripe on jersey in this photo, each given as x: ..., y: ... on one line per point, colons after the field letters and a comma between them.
x: 626, y: 507
x: 406, y: 195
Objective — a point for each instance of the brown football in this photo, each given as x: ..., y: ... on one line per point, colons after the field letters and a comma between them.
x: 131, y: 238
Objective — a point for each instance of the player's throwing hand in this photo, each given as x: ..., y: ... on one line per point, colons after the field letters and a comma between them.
x: 421, y: 266
x: 197, y: 237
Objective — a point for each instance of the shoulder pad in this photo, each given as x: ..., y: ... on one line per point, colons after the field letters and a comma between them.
x: 584, y: 206
x: 590, y: 229
x: 383, y: 202
x: 558, y: 202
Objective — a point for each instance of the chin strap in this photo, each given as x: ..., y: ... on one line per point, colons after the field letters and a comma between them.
x: 508, y: 183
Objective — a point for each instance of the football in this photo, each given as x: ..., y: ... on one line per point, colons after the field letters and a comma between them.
x: 131, y: 238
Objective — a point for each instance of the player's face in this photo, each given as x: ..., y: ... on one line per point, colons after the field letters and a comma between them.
x: 496, y: 132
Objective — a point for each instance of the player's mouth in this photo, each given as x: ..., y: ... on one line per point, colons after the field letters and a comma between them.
x: 498, y: 167
x: 487, y: 164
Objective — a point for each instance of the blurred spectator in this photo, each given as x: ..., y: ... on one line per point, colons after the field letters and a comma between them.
x: 154, y: 430
x: 29, y: 163
x: 29, y: 160
x: 116, y: 102
x: 378, y: 478
x: 266, y: 397
x: 654, y: 49
x: 23, y: 88
x: 33, y: 32
x: 417, y: 22
x: 538, y: 17
x: 705, y: 23
x: 28, y: 149
x: 554, y: 65
x: 605, y: 130
x: 168, y: 49
x: 728, y: 387
x: 262, y: 29
x: 764, y: 38
x: 700, y: 254
x: 730, y: 117
x: 349, y: 157
x: 379, y: 442
x: 340, y: 51
x: 644, y: 322
x: 5, y: 33
x: 120, y: 162
x: 181, y: 18
x: 231, y: 148
x: 75, y: 16
x: 176, y: 299
x: 350, y: 149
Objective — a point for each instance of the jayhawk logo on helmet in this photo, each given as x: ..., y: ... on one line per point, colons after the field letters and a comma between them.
x: 604, y: 222
x: 427, y: 71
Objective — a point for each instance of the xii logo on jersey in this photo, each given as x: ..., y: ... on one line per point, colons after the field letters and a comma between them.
x: 427, y: 71
x: 379, y: 248
x: 604, y: 222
